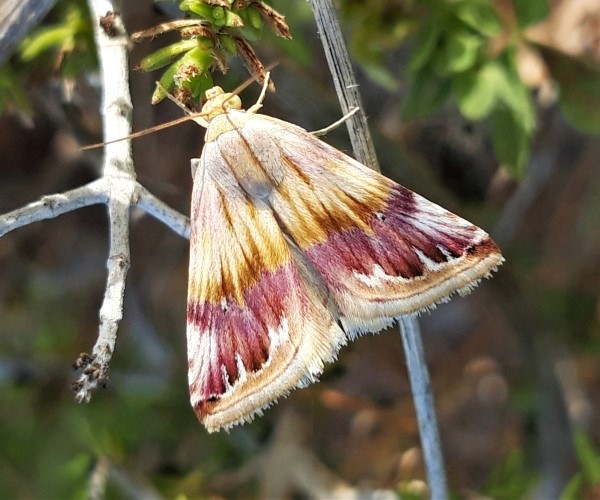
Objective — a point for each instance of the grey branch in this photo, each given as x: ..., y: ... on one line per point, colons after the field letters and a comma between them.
x: 53, y: 205
x: 159, y: 210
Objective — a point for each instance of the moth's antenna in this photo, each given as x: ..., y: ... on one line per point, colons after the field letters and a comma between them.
x: 249, y: 81
x: 142, y: 133
x: 191, y: 116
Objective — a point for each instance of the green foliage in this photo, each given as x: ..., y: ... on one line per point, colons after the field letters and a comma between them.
x: 11, y: 91
x: 190, y: 72
x: 579, y: 88
x: 221, y: 32
x: 65, y: 46
x: 514, y: 479
x: 376, y: 28
x: 510, y: 479
x: 452, y: 60
x: 164, y: 56
x: 464, y: 53
x: 50, y: 444
x: 70, y: 40
x: 589, y: 458
x: 530, y: 11
x: 587, y: 480
x: 298, y: 15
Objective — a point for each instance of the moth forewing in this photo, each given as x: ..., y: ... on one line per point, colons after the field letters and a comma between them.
x: 296, y: 248
x: 256, y: 328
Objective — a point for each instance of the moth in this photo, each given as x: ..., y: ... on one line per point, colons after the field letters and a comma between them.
x: 296, y: 248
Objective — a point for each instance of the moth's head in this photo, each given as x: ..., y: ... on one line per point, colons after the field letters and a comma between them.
x: 219, y: 102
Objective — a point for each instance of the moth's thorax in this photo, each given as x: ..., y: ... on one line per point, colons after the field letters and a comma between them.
x: 223, y: 112
x: 218, y: 101
x: 231, y: 120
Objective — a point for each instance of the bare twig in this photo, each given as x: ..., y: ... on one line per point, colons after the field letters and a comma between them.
x: 53, y: 205
x: 424, y: 405
x: 105, y: 471
x: 364, y: 151
x: 98, y: 477
x: 123, y: 192
x: 159, y: 210
x: 120, y: 182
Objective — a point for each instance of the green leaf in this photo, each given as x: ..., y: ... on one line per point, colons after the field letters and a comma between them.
x: 253, y: 17
x: 427, y: 92
x: 167, y: 82
x: 511, y: 140
x: 511, y: 91
x: 579, y: 85
x: 199, y: 8
x: 190, y: 71
x: 479, y: 16
x: 459, y: 52
x: 477, y: 90
x: 11, y: 91
x: 513, y: 118
x: 227, y: 43
x: 381, y: 76
x: 511, y: 478
x: 424, y: 48
x: 43, y: 40
x: 166, y: 55
x: 530, y: 11
x: 232, y: 20
x: 78, y: 467
x: 573, y: 489
x: 588, y: 458
x: 70, y: 38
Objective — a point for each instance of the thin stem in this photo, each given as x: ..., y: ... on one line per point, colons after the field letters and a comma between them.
x: 424, y: 406
x: 344, y: 81
x: 364, y: 151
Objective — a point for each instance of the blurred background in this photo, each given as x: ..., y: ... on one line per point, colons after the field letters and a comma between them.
x: 488, y: 108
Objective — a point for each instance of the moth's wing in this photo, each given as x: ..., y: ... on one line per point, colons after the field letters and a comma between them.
x: 256, y: 328
x: 382, y: 250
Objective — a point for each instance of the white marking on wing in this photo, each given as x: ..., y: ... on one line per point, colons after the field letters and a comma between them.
x: 279, y: 335
x: 432, y: 265
x: 242, y: 373
x: 225, y: 377
x: 377, y: 276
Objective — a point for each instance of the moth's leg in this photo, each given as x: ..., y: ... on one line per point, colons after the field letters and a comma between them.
x: 325, y: 130
x: 195, y: 163
x: 254, y: 108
